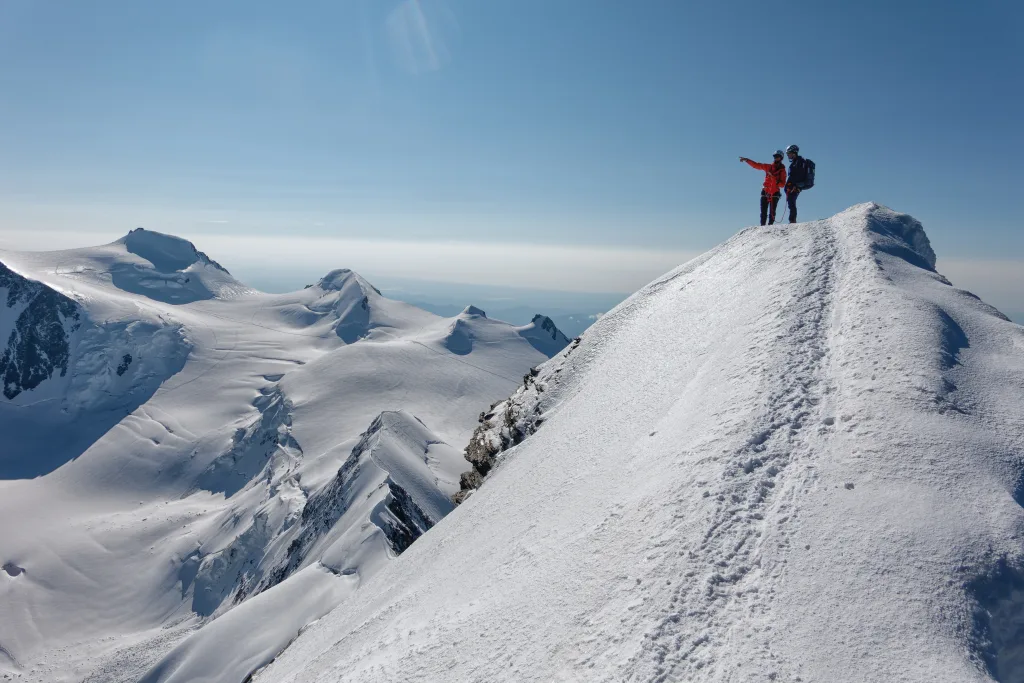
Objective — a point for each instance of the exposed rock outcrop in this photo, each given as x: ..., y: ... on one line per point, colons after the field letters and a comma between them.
x: 41, y: 322
x: 507, y: 423
x: 544, y: 335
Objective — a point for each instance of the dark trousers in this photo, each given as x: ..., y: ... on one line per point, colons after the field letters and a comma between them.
x: 767, y: 202
x: 791, y: 201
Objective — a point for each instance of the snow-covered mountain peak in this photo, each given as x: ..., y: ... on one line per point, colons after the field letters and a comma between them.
x: 161, y: 267
x: 348, y: 303
x: 792, y: 458
x: 544, y: 335
x: 401, y: 445
x: 471, y: 329
x: 167, y: 253
x: 893, y: 232
x: 143, y: 263
x: 345, y: 279
x: 547, y: 324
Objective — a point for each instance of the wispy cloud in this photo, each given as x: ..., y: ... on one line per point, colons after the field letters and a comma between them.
x: 419, y: 33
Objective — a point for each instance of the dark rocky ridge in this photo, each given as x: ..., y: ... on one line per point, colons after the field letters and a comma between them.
x: 548, y: 325
x: 507, y: 423
x: 398, y: 516
x: 40, y: 342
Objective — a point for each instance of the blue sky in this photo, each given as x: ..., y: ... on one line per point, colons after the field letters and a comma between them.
x: 595, y: 126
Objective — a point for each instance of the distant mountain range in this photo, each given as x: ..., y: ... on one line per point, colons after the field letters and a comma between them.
x: 177, y: 444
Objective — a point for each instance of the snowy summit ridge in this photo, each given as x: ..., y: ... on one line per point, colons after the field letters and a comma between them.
x: 340, y: 278
x: 166, y: 252
x: 797, y: 457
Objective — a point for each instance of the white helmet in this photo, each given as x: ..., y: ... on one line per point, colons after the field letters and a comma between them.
x: 778, y: 153
x: 793, y: 148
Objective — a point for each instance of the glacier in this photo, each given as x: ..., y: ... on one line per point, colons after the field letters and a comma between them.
x: 181, y: 451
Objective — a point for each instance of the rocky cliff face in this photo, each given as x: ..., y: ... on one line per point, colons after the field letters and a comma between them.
x: 380, y: 463
x: 40, y: 321
x: 544, y: 335
x: 508, y: 422
x: 548, y: 325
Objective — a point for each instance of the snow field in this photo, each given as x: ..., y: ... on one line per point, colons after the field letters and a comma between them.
x: 792, y: 459
x: 155, y: 497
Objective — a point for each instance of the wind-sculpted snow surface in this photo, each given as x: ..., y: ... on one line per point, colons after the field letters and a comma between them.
x: 167, y: 253
x: 186, y: 460
x: 796, y: 457
x: 120, y: 365
x: 170, y: 269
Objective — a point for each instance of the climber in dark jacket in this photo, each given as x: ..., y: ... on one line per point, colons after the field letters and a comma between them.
x: 797, y: 179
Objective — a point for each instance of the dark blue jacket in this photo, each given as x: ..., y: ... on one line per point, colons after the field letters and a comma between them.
x: 798, y: 172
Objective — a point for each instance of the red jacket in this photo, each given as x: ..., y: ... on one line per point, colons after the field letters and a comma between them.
x: 774, y: 175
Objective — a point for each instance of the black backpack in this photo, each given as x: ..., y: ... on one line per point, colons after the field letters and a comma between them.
x: 809, y: 182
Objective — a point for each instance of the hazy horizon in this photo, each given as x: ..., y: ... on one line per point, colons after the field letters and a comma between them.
x: 263, y: 263
x: 569, y: 147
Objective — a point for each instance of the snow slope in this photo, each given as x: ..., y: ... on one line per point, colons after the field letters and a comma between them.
x: 183, y: 454
x: 798, y: 457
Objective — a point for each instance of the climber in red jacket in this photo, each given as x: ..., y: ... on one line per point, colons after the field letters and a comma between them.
x: 774, y: 181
